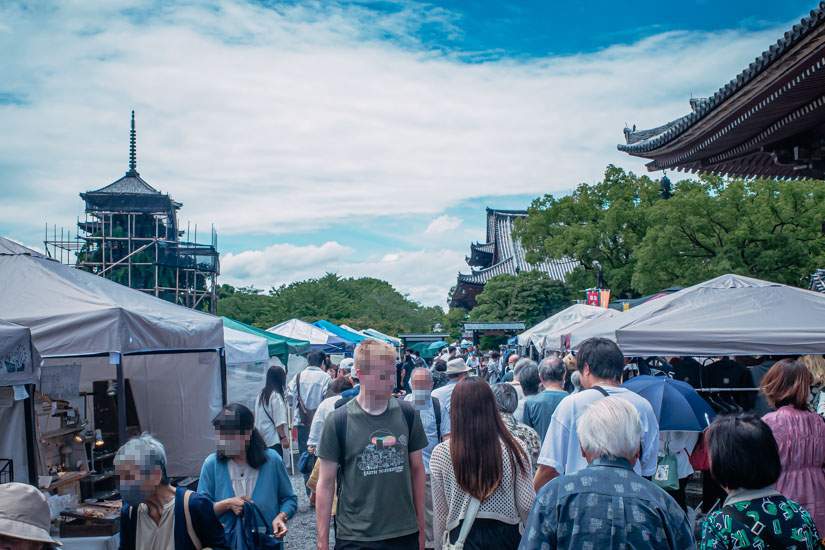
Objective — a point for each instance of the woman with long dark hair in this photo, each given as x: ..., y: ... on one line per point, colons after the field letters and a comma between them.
x: 270, y: 411
x: 481, y: 461
x: 244, y: 470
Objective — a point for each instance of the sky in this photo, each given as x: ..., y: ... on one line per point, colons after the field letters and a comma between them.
x: 356, y: 137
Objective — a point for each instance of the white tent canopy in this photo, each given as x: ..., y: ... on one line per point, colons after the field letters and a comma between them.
x: 558, y: 322
x: 606, y: 327
x: 729, y: 315
x: 553, y: 341
x: 242, y: 347
x: 83, y: 317
x: 301, y: 330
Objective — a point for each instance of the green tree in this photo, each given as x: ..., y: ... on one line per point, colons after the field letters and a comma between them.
x: 760, y: 228
x: 360, y: 303
x: 529, y: 296
x: 602, y: 222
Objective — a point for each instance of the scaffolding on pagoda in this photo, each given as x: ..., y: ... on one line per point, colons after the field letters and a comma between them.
x: 130, y: 235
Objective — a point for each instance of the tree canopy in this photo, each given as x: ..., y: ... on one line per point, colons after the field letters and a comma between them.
x: 529, y: 296
x: 760, y: 228
x: 361, y: 303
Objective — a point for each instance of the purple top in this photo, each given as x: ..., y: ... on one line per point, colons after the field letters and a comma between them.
x: 801, y: 439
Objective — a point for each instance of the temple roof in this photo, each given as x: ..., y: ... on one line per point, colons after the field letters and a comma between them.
x: 508, y: 254
x: 744, y: 128
x: 129, y: 185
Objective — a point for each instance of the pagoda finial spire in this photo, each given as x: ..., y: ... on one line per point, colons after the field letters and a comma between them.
x: 132, y: 150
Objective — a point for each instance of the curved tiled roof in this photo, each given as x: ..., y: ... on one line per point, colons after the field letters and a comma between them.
x: 129, y: 185
x: 644, y: 141
x: 510, y: 253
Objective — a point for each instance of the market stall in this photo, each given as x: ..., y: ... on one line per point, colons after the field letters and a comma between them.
x: 118, y: 356
x: 19, y: 364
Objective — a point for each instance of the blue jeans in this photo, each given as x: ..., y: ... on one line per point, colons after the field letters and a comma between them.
x: 303, y: 436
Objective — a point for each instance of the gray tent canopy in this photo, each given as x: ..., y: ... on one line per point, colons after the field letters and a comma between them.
x: 172, y: 355
x: 728, y: 315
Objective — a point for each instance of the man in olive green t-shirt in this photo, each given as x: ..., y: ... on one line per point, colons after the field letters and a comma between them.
x: 381, y: 502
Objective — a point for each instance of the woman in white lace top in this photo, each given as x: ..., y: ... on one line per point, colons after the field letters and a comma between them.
x: 481, y: 460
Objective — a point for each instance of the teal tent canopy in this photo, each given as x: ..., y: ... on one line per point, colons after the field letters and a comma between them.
x: 279, y: 346
x: 350, y: 336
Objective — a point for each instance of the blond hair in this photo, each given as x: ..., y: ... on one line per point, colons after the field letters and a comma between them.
x: 370, y: 350
x: 815, y: 364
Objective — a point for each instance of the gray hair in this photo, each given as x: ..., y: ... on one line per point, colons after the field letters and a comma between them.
x: 576, y: 380
x: 506, y: 397
x: 529, y: 379
x: 552, y: 369
x: 610, y: 426
x: 520, y: 364
x: 145, y: 452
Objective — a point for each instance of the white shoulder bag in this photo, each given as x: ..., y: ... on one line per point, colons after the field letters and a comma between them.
x: 466, y: 525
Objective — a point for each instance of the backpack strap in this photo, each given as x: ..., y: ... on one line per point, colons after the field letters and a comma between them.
x: 340, y: 419
x: 409, y: 415
x: 189, y: 529
x: 601, y: 390
x: 437, y: 411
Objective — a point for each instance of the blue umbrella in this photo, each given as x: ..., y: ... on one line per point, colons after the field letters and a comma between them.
x: 676, y: 403
x: 435, y: 346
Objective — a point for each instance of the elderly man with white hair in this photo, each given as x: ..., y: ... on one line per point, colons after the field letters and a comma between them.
x: 156, y: 515
x: 606, y: 504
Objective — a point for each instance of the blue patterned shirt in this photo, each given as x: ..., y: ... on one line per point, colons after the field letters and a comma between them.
x: 606, y: 505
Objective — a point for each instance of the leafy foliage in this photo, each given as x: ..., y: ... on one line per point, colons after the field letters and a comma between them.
x: 530, y: 296
x: 760, y: 228
x: 360, y: 303
x: 602, y: 222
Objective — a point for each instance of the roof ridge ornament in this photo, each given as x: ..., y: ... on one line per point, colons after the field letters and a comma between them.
x: 132, y: 149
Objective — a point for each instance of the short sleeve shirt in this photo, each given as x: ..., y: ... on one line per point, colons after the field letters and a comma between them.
x: 376, y: 499
x: 428, y: 421
x: 561, y: 449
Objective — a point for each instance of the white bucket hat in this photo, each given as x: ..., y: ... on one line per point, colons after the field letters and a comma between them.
x: 24, y: 513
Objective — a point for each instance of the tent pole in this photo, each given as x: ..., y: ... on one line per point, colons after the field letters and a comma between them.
x: 222, y: 352
x: 121, y: 399
x: 31, y: 449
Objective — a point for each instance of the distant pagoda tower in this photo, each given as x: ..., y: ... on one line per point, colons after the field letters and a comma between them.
x: 131, y: 236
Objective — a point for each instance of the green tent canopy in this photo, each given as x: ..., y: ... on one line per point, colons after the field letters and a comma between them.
x: 279, y: 346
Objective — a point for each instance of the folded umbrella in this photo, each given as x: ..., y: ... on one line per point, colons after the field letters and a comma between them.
x: 677, y: 405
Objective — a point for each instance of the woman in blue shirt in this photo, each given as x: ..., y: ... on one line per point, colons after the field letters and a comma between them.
x: 244, y: 470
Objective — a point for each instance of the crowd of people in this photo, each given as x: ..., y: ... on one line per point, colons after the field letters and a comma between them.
x: 474, y: 451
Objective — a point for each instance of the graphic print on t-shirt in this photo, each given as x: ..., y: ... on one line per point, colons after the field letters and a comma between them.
x: 384, y: 454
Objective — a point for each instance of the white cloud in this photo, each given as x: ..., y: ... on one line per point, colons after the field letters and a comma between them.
x: 281, y: 120
x: 442, y: 224
x: 425, y: 275
x: 269, y: 120
x: 277, y: 262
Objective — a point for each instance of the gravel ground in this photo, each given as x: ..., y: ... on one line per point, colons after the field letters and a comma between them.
x: 302, y: 534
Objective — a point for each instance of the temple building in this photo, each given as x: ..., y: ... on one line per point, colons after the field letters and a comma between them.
x: 500, y: 253
x: 769, y: 121
x: 131, y: 235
